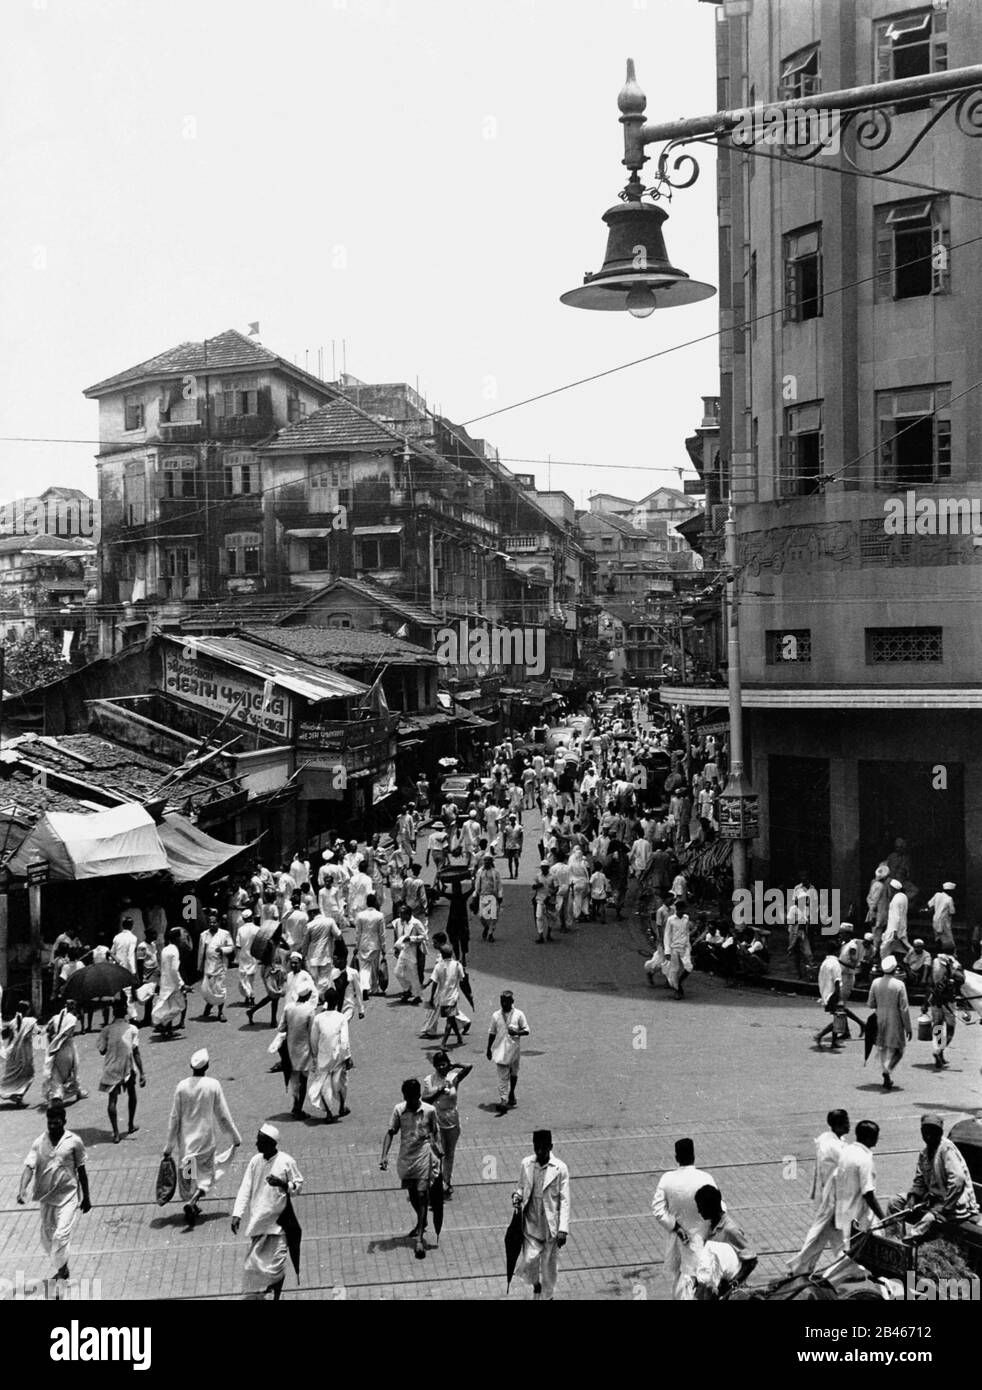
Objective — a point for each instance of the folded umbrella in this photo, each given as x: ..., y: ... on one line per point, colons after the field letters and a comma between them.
x: 869, y: 1036
x: 103, y: 980
x: 291, y: 1228
x: 514, y: 1240
x: 437, y: 1195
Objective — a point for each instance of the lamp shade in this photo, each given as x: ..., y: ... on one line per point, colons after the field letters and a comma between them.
x: 636, y: 276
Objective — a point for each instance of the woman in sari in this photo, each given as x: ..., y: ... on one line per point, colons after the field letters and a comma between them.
x: 214, y: 951
x: 61, y: 1060
x: 17, y: 1054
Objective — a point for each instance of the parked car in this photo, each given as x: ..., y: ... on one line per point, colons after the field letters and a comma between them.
x: 461, y: 789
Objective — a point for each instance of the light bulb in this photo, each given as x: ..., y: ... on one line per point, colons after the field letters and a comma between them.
x: 640, y: 302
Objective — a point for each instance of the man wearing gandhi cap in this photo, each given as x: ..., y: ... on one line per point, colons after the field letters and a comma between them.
x: 199, y: 1118
x: 942, y: 906
x: 893, y: 1032
x: 270, y: 1180
x: 942, y: 1184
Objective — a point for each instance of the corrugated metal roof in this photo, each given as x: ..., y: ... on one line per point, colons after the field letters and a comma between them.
x: 289, y: 672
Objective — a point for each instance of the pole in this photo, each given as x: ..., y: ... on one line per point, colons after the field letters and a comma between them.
x: 432, y: 570
x: 736, y: 778
x: 34, y: 908
x: 687, y: 761
x: 4, y: 907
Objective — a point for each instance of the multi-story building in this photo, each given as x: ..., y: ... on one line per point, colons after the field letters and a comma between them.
x: 850, y: 369
x: 48, y: 574
x: 179, y: 477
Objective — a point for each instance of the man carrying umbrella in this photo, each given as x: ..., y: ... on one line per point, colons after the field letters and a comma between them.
x: 543, y: 1201
x: 119, y: 1043
x: 272, y: 1229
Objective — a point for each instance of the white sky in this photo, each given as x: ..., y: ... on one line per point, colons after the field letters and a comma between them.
x: 420, y: 178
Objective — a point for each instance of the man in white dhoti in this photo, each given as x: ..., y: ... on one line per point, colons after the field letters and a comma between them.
x: 61, y: 1060
x: 199, y: 1121
x: 674, y: 1208
x: 298, y: 980
x: 369, y: 944
x: 245, y: 960
x: 330, y: 1052
x: 56, y: 1164
x: 270, y: 1180
x: 168, y: 1010
x: 215, y: 949
x: 295, y: 1032
x: 543, y: 1199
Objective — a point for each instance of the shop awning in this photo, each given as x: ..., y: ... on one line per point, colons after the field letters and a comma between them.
x: 886, y: 697
x: 122, y: 840
x: 191, y: 854
x: 376, y: 530
x: 310, y: 533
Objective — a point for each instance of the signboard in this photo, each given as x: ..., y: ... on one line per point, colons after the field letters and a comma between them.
x: 739, y: 817
x: 224, y: 691
x: 693, y: 487
x: 37, y: 873
x: 561, y: 673
x: 385, y: 785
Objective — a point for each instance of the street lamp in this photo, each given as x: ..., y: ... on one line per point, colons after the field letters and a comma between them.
x: 636, y: 275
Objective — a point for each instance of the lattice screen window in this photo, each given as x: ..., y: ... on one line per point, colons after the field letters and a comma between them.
x: 788, y: 645
x: 898, y: 644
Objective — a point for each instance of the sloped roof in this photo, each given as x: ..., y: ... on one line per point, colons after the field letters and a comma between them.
x: 11, y: 545
x: 337, y: 425
x: 228, y: 349
x: 382, y: 595
x: 288, y: 672
x: 343, y: 646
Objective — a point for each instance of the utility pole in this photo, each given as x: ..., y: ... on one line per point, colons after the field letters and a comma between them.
x: 738, y: 804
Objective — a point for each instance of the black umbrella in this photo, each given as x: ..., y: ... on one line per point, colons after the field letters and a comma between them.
x: 436, y: 1202
x: 293, y: 1231
x: 103, y: 980
x: 869, y: 1034
x: 287, y: 1064
x: 514, y: 1240
x: 465, y: 988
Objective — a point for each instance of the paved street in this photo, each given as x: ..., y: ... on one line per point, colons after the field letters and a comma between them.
x: 616, y: 1069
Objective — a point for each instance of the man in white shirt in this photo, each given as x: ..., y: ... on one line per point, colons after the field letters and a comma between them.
x: 263, y: 1200
x: 942, y: 906
x: 508, y: 1026
x: 849, y: 1196
x: 123, y: 949
x: 895, y: 936
x: 674, y: 1208
x: 828, y: 1151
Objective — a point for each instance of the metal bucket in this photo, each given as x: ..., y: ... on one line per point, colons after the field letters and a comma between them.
x: 924, y: 1028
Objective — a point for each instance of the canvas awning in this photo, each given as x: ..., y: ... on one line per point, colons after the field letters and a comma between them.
x: 310, y: 533
x: 122, y: 840
x: 191, y: 854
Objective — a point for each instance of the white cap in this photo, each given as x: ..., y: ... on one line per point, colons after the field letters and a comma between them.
x: 200, y: 1058
x: 888, y: 964
x: 895, y: 883
x: 949, y: 887
x: 270, y: 1131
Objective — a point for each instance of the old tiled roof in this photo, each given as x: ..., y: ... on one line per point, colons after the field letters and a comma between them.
x: 228, y: 349
x: 386, y: 598
x: 102, y: 763
x: 334, y: 646
x: 244, y: 608
x: 337, y: 425
x: 20, y: 794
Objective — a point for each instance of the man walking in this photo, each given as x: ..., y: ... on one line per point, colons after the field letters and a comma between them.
x: 199, y: 1120
x: 369, y: 945
x: 508, y: 1026
x: 330, y: 1058
x: 271, y: 1178
x: 849, y: 1197
x: 543, y: 1199
x: 298, y: 1015
x: 119, y: 1043
x: 893, y: 1031
x: 946, y: 979
x: 674, y: 1208
x: 678, y: 931
x: 56, y: 1164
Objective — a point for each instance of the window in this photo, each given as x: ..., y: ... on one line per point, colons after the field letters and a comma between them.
x: 330, y: 487
x: 237, y: 398
x: 788, y: 645
x: 318, y: 554
x: 803, y: 274
x: 135, y: 495
x: 180, y: 563
x: 296, y: 408
x: 342, y: 620
x: 914, y: 435
x: 912, y: 248
x: 911, y: 45
x: 133, y: 413
x: 180, y: 476
x: 241, y: 474
x: 801, y: 74
x: 802, y: 450
x: 608, y: 541
x: 892, y: 644
x: 242, y: 553
x: 379, y: 553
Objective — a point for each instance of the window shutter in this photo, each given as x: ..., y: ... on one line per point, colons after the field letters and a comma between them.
x: 939, y: 41
x: 888, y: 467
x: 791, y: 307
x: 884, y: 263
x: 942, y: 448
x: 940, y: 265
x: 884, y: 56
x: 219, y: 404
